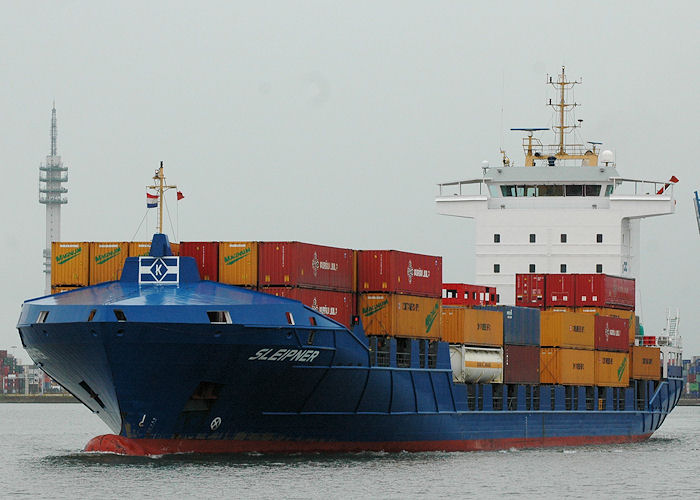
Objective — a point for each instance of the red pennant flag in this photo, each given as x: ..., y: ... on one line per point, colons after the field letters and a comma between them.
x: 672, y: 180
x: 180, y: 195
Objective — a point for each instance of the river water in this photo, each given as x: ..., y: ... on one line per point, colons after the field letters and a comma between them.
x: 40, y: 456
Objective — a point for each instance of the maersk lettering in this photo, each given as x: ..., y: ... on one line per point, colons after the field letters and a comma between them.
x: 375, y: 308
x: 299, y: 355
x: 230, y: 259
x: 65, y: 257
x: 102, y: 258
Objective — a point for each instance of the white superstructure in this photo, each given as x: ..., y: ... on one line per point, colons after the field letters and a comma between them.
x: 553, y: 216
x: 52, y: 175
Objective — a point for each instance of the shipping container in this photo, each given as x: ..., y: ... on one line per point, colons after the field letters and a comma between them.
x: 70, y: 263
x: 471, y: 365
x: 463, y: 294
x: 392, y: 271
x: 206, y: 253
x: 238, y: 263
x: 61, y: 289
x: 107, y: 260
x: 463, y: 325
x: 567, y: 329
x: 692, y: 377
x: 143, y: 248
x: 612, y: 369
x: 611, y: 334
x: 521, y: 325
x: 693, y: 386
x: 614, y: 313
x: 521, y: 364
x: 400, y: 315
x: 603, y: 290
x: 645, y: 363
x: 567, y: 366
x: 560, y: 290
x: 292, y: 263
x: 336, y: 305
x: 530, y: 290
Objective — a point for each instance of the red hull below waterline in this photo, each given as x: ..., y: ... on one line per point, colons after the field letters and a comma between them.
x: 111, y: 443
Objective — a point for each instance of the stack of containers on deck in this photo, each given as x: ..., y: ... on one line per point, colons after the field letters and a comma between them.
x: 399, y: 293
x: 609, y: 302
x: 70, y: 265
x: 521, y: 344
x: 464, y: 294
x: 321, y: 277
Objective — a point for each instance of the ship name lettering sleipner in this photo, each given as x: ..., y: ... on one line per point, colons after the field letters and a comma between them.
x: 300, y: 355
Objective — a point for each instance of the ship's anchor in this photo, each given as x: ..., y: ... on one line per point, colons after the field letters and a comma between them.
x: 215, y: 423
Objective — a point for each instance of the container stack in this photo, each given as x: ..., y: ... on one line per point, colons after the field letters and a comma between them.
x: 463, y: 294
x: 206, y: 254
x: 107, y: 260
x: 399, y: 293
x: 691, y: 374
x: 238, y: 263
x: 321, y: 277
x: 589, y: 329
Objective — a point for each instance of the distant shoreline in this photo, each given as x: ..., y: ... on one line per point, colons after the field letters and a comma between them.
x: 37, y: 398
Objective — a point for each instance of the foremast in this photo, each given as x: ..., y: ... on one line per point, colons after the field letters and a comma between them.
x: 161, y: 187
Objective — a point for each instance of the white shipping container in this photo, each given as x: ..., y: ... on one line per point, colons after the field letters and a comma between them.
x: 471, y: 365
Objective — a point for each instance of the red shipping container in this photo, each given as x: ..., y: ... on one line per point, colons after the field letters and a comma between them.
x: 561, y: 290
x: 611, y: 334
x: 649, y: 340
x: 692, y: 377
x: 463, y: 294
x: 393, y: 271
x: 603, y: 290
x: 206, y: 253
x: 529, y: 290
x: 338, y: 306
x: 521, y: 364
x: 292, y: 263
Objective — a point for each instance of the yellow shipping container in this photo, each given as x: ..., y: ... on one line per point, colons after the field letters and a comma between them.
x: 462, y: 325
x: 400, y: 315
x: 646, y: 363
x: 70, y: 263
x: 238, y: 263
x: 142, y: 248
x: 60, y: 289
x: 567, y: 329
x: 567, y: 366
x: 612, y: 369
x: 107, y: 260
x: 614, y: 313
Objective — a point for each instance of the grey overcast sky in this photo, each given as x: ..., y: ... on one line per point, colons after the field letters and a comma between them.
x: 332, y: 122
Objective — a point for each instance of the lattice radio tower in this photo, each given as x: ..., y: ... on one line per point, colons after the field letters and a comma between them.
x: 52, y: 176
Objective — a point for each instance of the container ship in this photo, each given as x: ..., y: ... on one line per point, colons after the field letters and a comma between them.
x: 224, y: 347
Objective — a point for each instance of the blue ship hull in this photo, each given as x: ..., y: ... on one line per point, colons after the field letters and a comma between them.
x: 278, y: 376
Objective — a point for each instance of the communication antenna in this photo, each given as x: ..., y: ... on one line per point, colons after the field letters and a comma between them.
x: 562, y: 106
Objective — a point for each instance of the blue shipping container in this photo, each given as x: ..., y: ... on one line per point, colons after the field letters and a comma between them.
x: 521, y: 325
x: 675, y: 371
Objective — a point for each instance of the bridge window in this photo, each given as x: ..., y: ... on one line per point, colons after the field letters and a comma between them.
x: 599, y: 268
x: 608, y: 190
x: 563, y: 238
x: 574, y: 190
x: 496, y: 268
x: 599, y: 238
x: 532, y: 268
x: 592, y: 189
x: 562, y: 268
x: 533, y: 238
x: 496, y: 238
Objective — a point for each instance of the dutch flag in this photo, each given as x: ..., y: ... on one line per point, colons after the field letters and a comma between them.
x: 151, y: 200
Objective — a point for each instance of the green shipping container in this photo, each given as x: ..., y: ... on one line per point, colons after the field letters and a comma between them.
x: 693, y: 386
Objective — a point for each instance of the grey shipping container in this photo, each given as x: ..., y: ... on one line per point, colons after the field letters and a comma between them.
x: 521, y: 325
